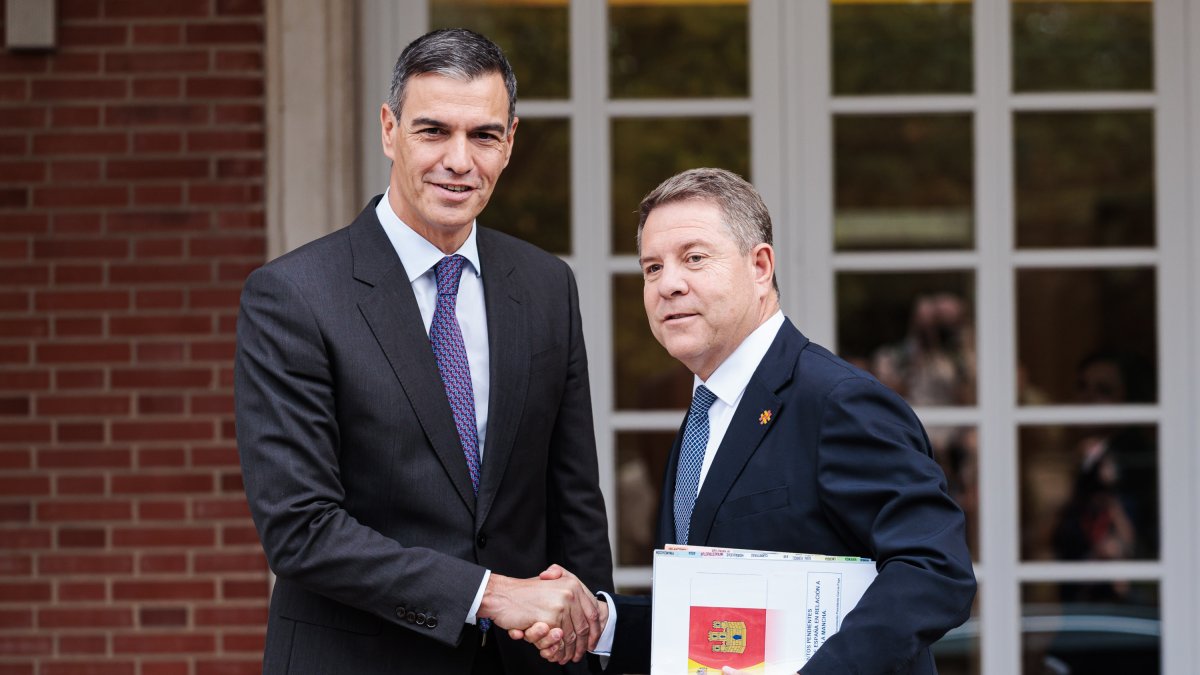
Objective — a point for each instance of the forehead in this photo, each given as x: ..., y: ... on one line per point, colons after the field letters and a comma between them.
x: 678, y: 223
x: 437, y: 96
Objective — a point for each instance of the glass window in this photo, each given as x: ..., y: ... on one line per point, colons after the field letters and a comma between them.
x: 903, y: 182
x: 669, y: 49
x: 647, y: 151
x: 647, y: 377
x: 1078, y: 46
x: 914, y: 331
x: 641, y: 462
x: 1084, y: 179
x: 1079, y: 327
x: 931, y: 41
x: 534, y: 201
x: 1094, y: 627
x: 956, y: 450
x: 533, y: 35
x: 957, y: 653
x: 1089, y: 492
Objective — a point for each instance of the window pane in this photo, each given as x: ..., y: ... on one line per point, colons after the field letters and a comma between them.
x: 957, y: 653
x: 533, y: 201
x: 1089, y: 492
x: 914, y: 331
x: 533, y: 35
x: 648, y: 151
x: 647, y: 378
x: 903, y: 182
x: 1085, y: 179
x: 956, y: 450
x: 641, y: 461
x: 901, y: 47
x: 1076, y: 46
x: 678, y: 49
x: 1084, y: 332
x: 1069, y: 628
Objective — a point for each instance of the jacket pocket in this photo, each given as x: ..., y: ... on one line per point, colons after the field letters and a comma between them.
x: 752, y: 504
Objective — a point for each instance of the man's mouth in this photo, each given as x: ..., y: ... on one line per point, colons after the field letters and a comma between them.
x: 455, y: 188
x: 677, y: 316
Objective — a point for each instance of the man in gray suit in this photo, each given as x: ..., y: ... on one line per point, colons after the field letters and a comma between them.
x: 413, y: 412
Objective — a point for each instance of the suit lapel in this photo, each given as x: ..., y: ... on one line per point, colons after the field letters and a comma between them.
x: 747, y: 430
x: 508, y: 346
x: 392, y: 313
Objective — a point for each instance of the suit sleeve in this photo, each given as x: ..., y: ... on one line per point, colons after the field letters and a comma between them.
x: 577, y: 524
x: 288, y: 441
x: 882, y: 490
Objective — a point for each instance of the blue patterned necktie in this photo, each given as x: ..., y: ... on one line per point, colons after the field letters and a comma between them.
x: 451, y: 354
x: 691, y: 458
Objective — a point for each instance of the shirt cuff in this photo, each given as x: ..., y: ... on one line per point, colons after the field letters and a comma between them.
x: 487, y: 574
x: 604, y: 644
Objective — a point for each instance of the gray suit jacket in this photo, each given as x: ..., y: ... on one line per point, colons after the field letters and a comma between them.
x: 354, y: 471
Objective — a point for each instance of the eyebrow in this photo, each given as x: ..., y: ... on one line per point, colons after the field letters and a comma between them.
x: 682, y: 247
x: 430, y: 122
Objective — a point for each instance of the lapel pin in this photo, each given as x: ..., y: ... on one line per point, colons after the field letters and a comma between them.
x: 764, y: 417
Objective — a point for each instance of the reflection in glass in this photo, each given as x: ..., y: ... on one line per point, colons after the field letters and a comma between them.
x: 957, y: 653
x: 1089, y: 492
x: 678, y: 49
x: 901, y: 47
x: 641, y: 461
x: 647, y: 378
x: 534, y: 200
x: 645, y: 152
x: 956, y: 450
x: 533, y: 35
x: 1082, y: 46
x: 1068, y: 318
x: 1084, y: 179
x: 914, y: 331
x: 1063, y: 630
x: 903, y: 182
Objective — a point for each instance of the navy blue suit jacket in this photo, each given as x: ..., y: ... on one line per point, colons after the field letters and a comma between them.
x: 843, y: 467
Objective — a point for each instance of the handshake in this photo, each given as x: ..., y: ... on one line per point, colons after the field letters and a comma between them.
x: 555, y: 612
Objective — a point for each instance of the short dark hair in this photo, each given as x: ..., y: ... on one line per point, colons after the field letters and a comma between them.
x: 452, y: 52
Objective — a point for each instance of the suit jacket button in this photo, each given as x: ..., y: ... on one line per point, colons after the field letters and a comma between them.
x: 411, y: 616
x: 481, y: 540
x: 420, y: 619
x: 431, y: 622
x: 400, y: 612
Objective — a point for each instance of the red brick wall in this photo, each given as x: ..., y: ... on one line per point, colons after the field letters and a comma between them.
x: 131, y: 203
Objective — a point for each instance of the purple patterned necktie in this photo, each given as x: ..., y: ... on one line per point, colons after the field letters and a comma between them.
x: 451, y: 354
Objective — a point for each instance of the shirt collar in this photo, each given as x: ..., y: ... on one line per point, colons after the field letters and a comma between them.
x: 416, y: 253
x: 730, y: 378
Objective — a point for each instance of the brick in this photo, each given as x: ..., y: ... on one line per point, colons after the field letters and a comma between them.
x: 239, y: 168
x: 163, y: 643
x: 165, y: 668
x: 14, y: 355
x: 72, y: 10
x: 24, y: 432
x: 143, y: 484
x: 239, y: 7
x: 85, y: 617
x: 161, y: 458
x: 137, y: 273
x: 25, y: 223
x: 15, y: 565
x: 16, y: 513
x: 23, y: 118
x: 213, y: 351
x: 161, y: 510
x: 29, y: 590
x: 12, y: 145
x: 14, y: 198
x: 229, y: 562
x: 159, y: 378
x: 148, y: 62
x: 91, y: 36
x: 157, y: 87
x: 242, y: 589
x: 161, y: 352
x: 157, y: 563
x: 74, y: 90
x: 80, y: 144
x: 80, y: 432
x: 212, y: 404
x: 244, y: 642
x: 219, y: 246
x: 25, y: 645
x: 77, y: 171
x: 69, y: 273
x: 163, y: 221
x: 164, y: 247
x: 224, y: 33
x: 82, y: 644
x: 16, y: 459
x: 160, y: 405
x: 159, y: 299
x: 78, y: 223
x: 79, y: 485
x: 12, y: 619
x: 17, y: 301
x: 15, y: 406
x: 92, y: 405
x: 14, y: 249
x: 24, y: 380
x: 231, y: 616
x: 88, y: 668
x: 238, y: 114
x: 240, y: 61
x: 237, y: 535
x: 48, y: 301
x: 79, y: 379
x: 82, y: 591
x: 219, y: 141
x: 212, y: 509
x: 23, y: 63
x: 163, y: 537
x: 156, y: 9
x: 232, y: 482
x: 92, y: 196
x: 157, y: 34
x: 160, y: 617
x: 175, y: 589
x: 14, y: 485
x: 184, y: 324
x: 91, y: 352
x: 24, y: 275
x: 220, y: 87
x: 157, y: 169
x: 236, y: 271
x: 75, y: 327
x: 157, y: 195
x: 84, y: 511
x: 24, y: 328
x: 24, y: 538
x: 83, y: 564
x: 229, y: 667
x: 75, y: 116
x: 78, y: 537
x: 75, y: 63
x: 181, y: 430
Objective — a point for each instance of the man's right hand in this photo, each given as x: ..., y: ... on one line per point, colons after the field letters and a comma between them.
x: 557, y: 600
x: 549, y: 640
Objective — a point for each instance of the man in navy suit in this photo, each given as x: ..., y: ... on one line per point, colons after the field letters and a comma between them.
x: 786, y: 447
x: 413, y: 414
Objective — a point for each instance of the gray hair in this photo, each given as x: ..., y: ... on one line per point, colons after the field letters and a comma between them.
x: 456, y: 53
x: 742, y: 208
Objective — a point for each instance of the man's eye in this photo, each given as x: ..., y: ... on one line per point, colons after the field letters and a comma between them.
x: 430, y: 132
x: 651, y: 269
x: 695, y: 258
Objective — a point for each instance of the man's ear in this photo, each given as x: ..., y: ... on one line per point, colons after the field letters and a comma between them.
x: 763, y: 257
x: 512, y: 136
x: 387, y: 128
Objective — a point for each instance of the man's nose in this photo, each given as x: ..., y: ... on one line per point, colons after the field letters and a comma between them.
x: 672, y: 281
x: 458, y: 155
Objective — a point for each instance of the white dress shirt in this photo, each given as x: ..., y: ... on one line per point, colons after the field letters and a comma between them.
x: 728, y: 382
x: 420, y: 258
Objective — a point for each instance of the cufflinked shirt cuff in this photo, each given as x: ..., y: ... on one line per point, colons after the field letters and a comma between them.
x: 471, y: 618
